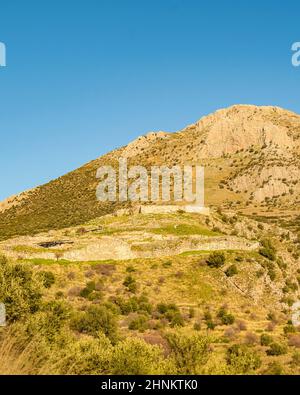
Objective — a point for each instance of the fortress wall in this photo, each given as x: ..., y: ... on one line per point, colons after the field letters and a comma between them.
x: 166, y: 209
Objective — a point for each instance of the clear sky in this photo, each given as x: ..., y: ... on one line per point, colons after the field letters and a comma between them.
x: 84, y: 77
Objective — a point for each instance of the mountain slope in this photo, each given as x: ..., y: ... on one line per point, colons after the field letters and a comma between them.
x: 250, y: 154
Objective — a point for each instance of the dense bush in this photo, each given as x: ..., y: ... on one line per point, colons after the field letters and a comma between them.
x: 130, y: 269
x: 216, y: 259
x: 130, y: 284
x: 225, y: 317
x: 171, y: 313
x: 289, y: 329
x: 135, y: 357
x: 209, y: 320
x: 277, y: 349
x: 267, y: 250
x: 139, y: 323
x: 96, y: 319
x: 231, y: 271
x: 48, y: 278
x: 164, y: 308
x: 274, y: 368
x: 49, y: 321
x: 295, y: 361
x: 177, y: 320
x: 242, y: 358
x: 139, y: 304
x: 91, y: 291
x: 85, y: 356
x: 20, y: 290
x: 190, y: 352
x: 265, y: 339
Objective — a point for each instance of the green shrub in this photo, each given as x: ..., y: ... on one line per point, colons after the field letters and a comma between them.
x: 272, y: 274
x: 281, y: 264
x: 177, y: 320
x: 291, y: 286
x: 144, y: 305
x: 48, y: 278
x: 268, y: 251
x: 265, y: 339
x: 134, y: 304
x: 289, y: 329
x: 259, y: 273
x: 288, y: 300
x: 191, y: 312
x: 164, y: 308
x: 274, y: 368
x: 209, y: 320
x: 20, y: 290
x: 190, y: 352
x: 277, y: 349
x: 167, y: 309
x: 295, y: 361
x: 231, y: 271
x: 207, y: 315
x: 130, y: 269
x: 96, y: 319
x: 59, y: 295
x: 90, y: 291
x: 216, y: 259
x: 242, y: 359
x: 139, y: 323
x: 127, y: 305
x: 269, y: 254
x: 85, y: 357
x: 135, y: 357
x: 171, y: 313
x: 225, y: 317
x: 130, y: 284
x: 89, y: 288
x: 210, y: 325
x: 49, y: 321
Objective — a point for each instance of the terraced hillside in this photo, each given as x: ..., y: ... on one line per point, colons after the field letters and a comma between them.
x: 186, y: 293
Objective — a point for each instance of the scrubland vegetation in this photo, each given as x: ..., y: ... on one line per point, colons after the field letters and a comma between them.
x: 118, y: 318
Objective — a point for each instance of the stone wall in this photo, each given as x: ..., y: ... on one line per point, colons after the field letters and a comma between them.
x: 166, y: 209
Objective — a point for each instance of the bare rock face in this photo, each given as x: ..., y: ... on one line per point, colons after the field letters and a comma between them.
x: 241, y: 127
x: 267, y: 182
x: 270, y: 189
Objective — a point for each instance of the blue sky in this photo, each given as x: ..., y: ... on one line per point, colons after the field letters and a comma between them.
x: 84, y: 77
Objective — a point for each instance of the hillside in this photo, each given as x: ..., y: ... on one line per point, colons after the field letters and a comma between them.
x: 93, y: 288
x: 145, y: 294
x: 250, y: 154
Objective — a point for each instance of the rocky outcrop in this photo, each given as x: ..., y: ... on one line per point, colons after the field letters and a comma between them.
x: 266, y: 182
x: 143, y: 143
x: 241, y: 127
